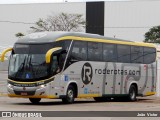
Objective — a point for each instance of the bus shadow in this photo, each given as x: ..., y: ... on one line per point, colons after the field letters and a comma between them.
x: 54, y: 103
x: 126, y: 100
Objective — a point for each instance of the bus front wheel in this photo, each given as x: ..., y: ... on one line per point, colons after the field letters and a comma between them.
x: 35, y: 100
x: 70, y: 96
x: 132, y: 93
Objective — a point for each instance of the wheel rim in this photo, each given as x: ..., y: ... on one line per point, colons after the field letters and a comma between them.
x: 70, y: 94
x: 132, y: 94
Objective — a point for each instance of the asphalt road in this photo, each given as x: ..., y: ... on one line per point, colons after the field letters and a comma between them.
x: 21, y: 104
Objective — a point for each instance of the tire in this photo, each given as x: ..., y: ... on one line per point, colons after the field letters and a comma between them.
x: 101, y: 99
x: 35, y: 100
x: 132, y: 93
x: 70, y: 95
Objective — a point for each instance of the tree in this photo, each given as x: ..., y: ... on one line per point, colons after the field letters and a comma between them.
x: 60, y: 22
x: 19, y: 34
x: 153, y: 35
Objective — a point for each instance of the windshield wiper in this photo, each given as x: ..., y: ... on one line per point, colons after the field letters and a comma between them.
x: 21, y: 67
x: 31, y: 66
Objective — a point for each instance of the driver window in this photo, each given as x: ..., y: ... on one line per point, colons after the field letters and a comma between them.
x: 54, y: 65
x: 61, y: 59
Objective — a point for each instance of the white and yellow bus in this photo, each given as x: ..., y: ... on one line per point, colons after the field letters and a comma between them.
x: 67, y: 65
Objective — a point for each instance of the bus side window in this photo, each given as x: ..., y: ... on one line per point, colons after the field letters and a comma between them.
x: 123, y: 53
x: 149, y: 55
x: 109, y: 53
x: 79, y: 51
x: 94, y: 51
x: 136, y: 54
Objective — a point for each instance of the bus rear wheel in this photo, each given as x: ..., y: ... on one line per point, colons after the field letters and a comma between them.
x: 70, y: 96
x: 132, y: 93
x: 35, y: 100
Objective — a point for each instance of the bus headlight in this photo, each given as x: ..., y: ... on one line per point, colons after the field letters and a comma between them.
x: 42, y: 86
x: 10, y: 86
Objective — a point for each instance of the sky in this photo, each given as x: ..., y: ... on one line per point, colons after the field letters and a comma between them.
x: 46, y: 1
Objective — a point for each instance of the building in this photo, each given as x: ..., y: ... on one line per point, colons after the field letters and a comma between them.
x: 122, y: 19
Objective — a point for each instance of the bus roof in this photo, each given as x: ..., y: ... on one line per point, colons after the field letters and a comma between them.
x: 49, y: 37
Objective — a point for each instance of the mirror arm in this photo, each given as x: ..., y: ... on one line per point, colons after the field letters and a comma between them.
x: 3, y: 53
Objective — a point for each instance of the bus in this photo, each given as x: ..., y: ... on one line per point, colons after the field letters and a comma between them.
x: 69, y: 65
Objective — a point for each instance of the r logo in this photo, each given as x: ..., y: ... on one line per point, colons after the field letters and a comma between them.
x: 86, y: 73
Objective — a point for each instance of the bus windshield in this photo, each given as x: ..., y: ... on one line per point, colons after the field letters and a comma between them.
x: 27, y: 62
x: 28, y: 66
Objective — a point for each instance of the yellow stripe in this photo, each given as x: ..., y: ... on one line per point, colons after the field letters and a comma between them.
x: 149, y: 93
x: 3, y: 54
x: 3, y: 94
x: 88, y: 95
x: 31, y: 82
x: 36, y: 96
x: 106, y: 41
x: 49, y: 53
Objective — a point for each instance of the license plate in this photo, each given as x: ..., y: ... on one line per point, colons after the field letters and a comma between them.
x: 24, y: 93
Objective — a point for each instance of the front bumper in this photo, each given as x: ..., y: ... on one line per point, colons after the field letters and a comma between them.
x: 29, y: 92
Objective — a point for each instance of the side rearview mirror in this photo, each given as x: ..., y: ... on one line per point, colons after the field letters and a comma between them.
x: 50, y: 52
x: 3, y: 54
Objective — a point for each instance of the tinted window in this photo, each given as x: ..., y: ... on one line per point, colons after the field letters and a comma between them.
x: 109, y: 53
x: 31, y: 48
x: 123, y: 53
x: 64, y: 44
x: 79, y: 51
x: 94, y: 51
x: 149, y: 55
x: 136, y: 54
x: 21, y: 49
x: 39, y: 48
